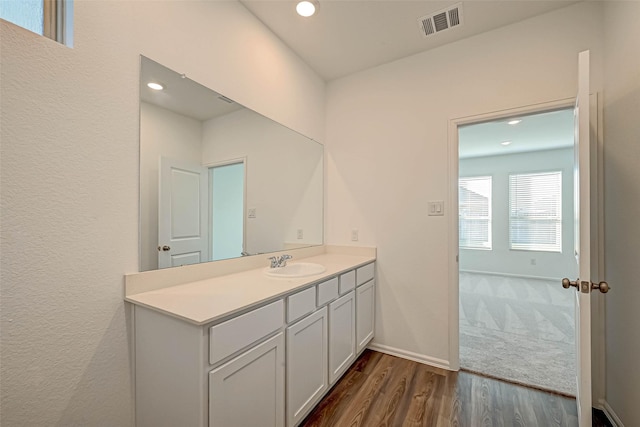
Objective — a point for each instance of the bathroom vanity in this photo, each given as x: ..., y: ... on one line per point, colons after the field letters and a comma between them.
x: 246, y: 349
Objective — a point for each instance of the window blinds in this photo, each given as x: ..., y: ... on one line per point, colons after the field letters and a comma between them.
x: 535, y: 211
x: 474, y: 206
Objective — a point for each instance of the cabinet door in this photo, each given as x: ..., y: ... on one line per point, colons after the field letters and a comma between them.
x: 306, y: 365
x: 342, y: 335
x: 365, y: 309
x: 249, y: 390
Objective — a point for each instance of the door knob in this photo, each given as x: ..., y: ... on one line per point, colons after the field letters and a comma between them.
x: 602, y: 286
x: 566, y: 283
x: 164, y: 248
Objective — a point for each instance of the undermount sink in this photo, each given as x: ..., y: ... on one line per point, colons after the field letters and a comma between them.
x: 299, y: 269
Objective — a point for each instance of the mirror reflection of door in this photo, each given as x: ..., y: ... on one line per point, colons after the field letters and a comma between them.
x: 227, y: 183
x: 182, y: 213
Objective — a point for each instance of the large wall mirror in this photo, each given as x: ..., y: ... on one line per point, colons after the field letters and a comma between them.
x: 218, y: 180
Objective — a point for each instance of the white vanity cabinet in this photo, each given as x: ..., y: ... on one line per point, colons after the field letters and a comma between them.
x: 249, y: 390
x: 267, y: 366
x: 253, y: 379
x: 365, y: 306
x: 170, y: 371
x: 307, y: 382
x: 197, y: 376
x: 342, y: 335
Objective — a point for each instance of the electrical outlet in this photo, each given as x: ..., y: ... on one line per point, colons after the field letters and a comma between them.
x: 251, y: 212
x: 354, y: 235
x: 300, y: 233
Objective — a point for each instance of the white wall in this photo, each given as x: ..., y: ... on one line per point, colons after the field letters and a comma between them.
x: 622, y: 206
x: 387, y: 148
x: 70, y: 174
x: 163, y: 133
x: 501, y: 259
x: 284, y: 177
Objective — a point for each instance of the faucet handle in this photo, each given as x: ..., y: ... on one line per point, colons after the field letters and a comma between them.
x: 274, y: 261
x: 282, y: 262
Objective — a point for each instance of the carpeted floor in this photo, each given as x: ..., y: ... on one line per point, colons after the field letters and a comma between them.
x: 518, y: 329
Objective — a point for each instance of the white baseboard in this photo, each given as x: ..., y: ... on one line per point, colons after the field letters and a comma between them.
x: 611, y: 415
x: 420, y: 358
x: 523, y: 276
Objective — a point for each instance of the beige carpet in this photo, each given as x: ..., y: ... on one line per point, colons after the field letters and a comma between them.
x: 518, y: 329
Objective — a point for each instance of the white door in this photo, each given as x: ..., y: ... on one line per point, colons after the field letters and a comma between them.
x: 182, y: 214
x: 583, y: 285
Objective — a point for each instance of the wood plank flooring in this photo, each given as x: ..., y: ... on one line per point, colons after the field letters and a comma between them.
x: 383, y: 390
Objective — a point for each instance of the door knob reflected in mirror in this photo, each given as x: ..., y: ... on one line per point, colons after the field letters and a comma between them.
x: 164, y: 248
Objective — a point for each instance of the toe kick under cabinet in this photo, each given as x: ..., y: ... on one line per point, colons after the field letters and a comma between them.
x: 267, y: 367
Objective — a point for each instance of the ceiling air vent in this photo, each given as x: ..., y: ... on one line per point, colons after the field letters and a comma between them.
x: 225, y: 99
x: 441, y: 20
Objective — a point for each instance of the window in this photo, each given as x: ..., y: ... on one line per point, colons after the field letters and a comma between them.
x: 49, y: 18
x: 474, y: 207
x: 535, y: 211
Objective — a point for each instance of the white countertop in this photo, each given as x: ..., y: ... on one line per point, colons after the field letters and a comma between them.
x: 213, y: 299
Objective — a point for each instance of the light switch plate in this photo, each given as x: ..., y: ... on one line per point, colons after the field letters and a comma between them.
x: 251, y: 212
x: 436, y: 207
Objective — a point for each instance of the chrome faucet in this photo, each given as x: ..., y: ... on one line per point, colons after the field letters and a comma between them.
x: 280, y: 261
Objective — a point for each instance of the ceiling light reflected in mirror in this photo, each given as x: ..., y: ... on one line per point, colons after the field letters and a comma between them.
x: 155, y: 86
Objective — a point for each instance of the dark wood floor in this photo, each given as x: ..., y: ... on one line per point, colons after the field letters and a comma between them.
x: 383, y: 390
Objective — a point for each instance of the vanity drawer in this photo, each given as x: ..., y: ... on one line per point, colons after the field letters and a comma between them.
x: 300, y: 304
x: 327, y: 291
x: 347, y: 282
x: 365, y: 273
x: 228, y: 337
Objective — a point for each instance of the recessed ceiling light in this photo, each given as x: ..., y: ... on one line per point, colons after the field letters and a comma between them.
x: 505, y: 143
x: 514, y: 122
x: 155, y: 86
x: 306, y: 8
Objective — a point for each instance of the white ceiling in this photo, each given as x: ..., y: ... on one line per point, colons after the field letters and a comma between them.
x: 542, y: 131
x: 346, y: 36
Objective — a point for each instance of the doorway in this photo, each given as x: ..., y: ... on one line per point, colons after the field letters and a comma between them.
x: 227, y: 196
x: 515, y: 237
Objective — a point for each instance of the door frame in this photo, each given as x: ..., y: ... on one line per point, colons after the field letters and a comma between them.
x: 212, y: 165
x: 598, y: 367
